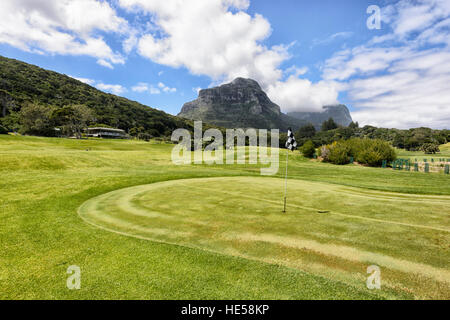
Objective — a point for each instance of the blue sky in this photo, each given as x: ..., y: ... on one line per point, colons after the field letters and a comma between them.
x: 305, y: 54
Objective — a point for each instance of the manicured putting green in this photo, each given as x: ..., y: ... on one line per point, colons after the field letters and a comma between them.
x: 329, y: 230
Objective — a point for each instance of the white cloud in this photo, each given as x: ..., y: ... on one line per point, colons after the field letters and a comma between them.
x: 296, y: 94
x: 130, y: 43
x: 140, y: 87
x: 414, y: 17
x: 166, y: 89
x: 105, y: 63
x: 400, y: 79
x: 154, y: 90
x: 145, y: 87
x: 296, y: 71
x: 84, y: 80
x: 67, y: 27
x: 223, y: 46
x: 332, y: 38
x: 112, y: 88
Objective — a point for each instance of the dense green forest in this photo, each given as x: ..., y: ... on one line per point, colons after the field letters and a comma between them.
x: 24, y: 85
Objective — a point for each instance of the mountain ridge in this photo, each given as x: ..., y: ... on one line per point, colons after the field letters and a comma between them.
x: 242, y: 103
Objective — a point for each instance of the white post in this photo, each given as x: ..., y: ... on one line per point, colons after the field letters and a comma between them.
x: 285, y: 183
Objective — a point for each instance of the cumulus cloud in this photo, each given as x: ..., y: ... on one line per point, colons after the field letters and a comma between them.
x: 296, y: 94
x: 112, y: 88
x: 61, y: 27
x: 206, y: 37
x: 145, y: 87
x: 84, y: 80
x: 165, y: 88
x: 140, y: 87
x: 400, y: 79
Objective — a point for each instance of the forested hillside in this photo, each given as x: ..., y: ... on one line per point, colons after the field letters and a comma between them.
x: 22, y: 84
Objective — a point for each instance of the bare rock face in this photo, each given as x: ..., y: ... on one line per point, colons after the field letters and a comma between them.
x: 239, y: 104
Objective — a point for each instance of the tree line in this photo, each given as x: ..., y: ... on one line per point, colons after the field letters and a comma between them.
x: 423, y: 139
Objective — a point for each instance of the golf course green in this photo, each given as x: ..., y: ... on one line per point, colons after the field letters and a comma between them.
x: 140, y: 227
x: 327, y: 229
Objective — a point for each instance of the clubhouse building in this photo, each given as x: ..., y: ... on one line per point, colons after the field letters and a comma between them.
x: 108, y: 133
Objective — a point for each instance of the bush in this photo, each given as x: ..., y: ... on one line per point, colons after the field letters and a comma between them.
x: 308, y: 149
x: 430, y: 148
x: 365, y: 151
x: 373, y: 152
x: 339, y: 153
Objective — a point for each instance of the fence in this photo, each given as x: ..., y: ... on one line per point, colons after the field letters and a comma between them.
x: 427, y: 166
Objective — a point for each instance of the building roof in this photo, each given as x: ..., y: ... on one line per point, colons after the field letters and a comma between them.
x: 106, y: 129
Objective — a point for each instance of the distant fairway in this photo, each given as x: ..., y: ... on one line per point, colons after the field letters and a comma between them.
x: 329, y: 230
x: 420, y: 156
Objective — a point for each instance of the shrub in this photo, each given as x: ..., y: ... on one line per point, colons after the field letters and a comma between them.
x: 365, y: 151
x: 339, y: 153
x: 373, y: 152
x: 308, y: 149
x: 430, y: 148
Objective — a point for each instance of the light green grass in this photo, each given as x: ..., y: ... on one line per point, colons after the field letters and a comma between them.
x: 44, y: 182
x: 329, y: 230
x: 419, y: 155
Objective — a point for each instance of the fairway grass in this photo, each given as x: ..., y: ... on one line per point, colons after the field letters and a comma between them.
x: 420, y: 155
x: 212, y: 239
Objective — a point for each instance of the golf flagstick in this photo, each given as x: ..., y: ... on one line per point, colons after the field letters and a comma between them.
x: 285, y: 183
x: 291, y: 144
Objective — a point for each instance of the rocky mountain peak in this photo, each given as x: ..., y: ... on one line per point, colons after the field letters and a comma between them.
x: 243, y: 104
x: 240, y: 103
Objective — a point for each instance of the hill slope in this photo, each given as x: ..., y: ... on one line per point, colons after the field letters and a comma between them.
x: 241, y: 103
x: 21, y: 83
